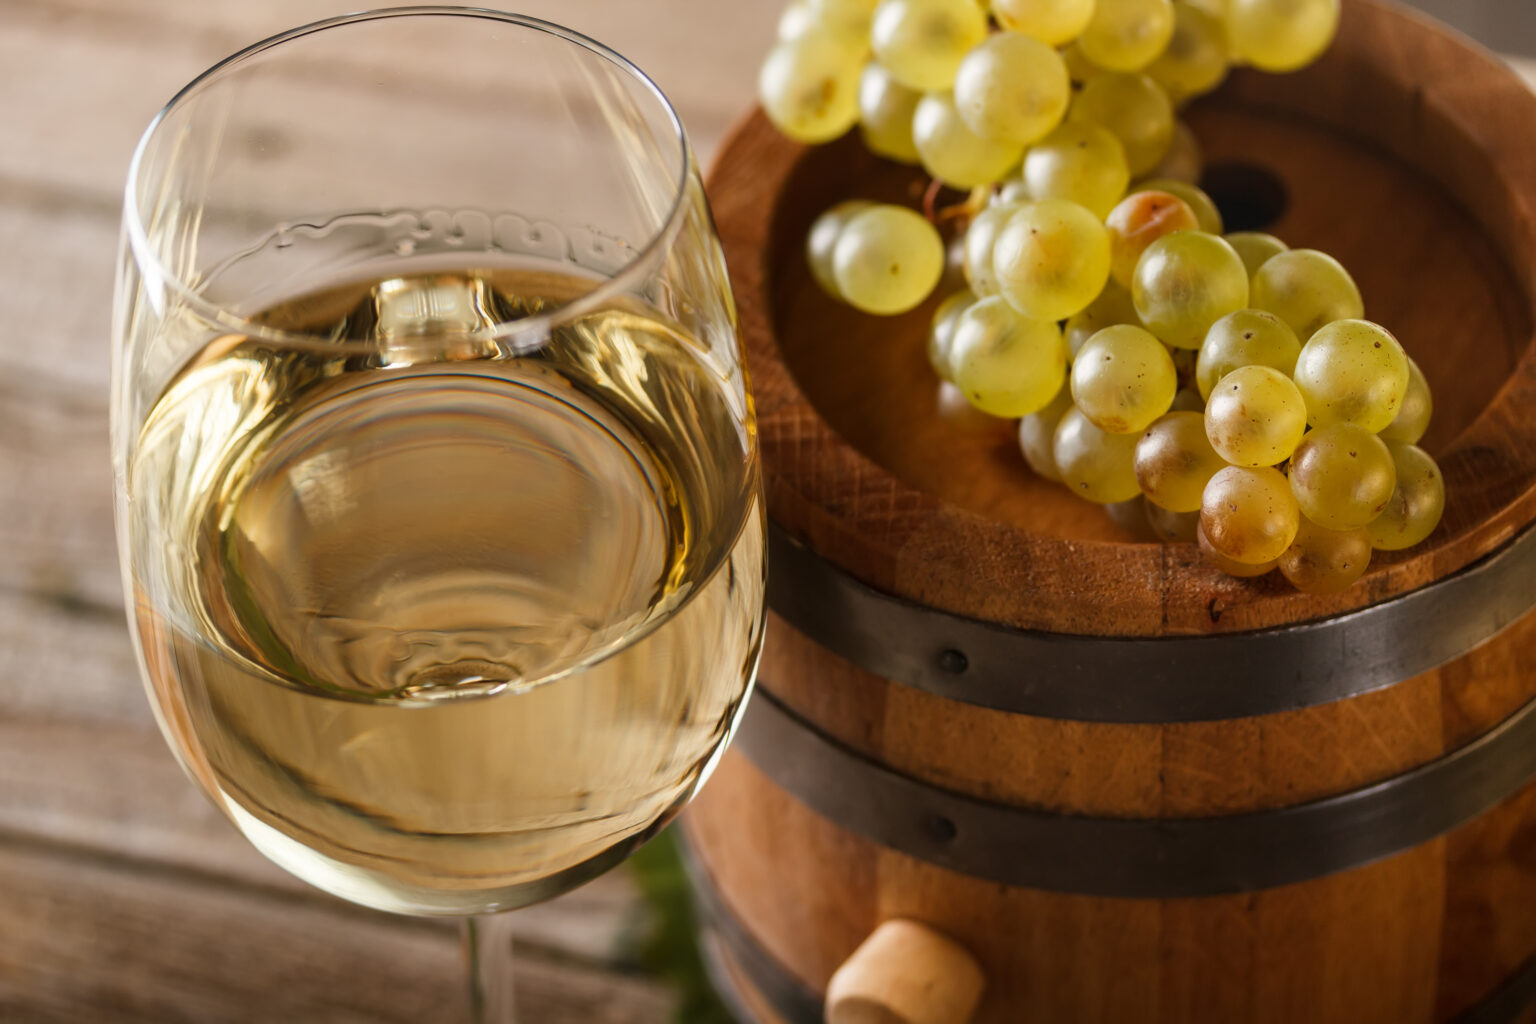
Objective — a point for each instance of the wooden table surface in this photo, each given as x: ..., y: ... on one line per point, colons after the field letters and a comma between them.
x: 124, y: 896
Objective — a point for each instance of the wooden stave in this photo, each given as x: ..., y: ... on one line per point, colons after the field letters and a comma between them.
x: 1179, y: 678
x: 868, y: 553
x: 758, y: 989
x: 901, y: 541
x: 806, y: 891
x: 1472, y: 705
x: 1139, y: 858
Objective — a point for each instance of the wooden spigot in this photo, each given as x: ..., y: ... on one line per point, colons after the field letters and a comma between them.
x: 905, y: 973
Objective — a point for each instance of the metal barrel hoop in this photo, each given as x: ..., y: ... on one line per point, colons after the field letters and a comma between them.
x: 1136, y: 858
x: 1178, y: 678
x: 729, y: 948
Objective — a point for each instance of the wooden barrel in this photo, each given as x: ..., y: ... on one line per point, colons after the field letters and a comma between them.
x: 1132, y: 788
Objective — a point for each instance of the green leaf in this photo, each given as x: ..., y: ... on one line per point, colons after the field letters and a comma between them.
x: 669, y: 945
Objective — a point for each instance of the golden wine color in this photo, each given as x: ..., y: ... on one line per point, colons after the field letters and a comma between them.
x: 448, y: 625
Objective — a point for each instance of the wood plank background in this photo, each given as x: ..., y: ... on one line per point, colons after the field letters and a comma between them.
x: 123, y: 895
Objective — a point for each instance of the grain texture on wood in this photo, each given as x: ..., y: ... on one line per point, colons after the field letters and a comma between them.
x: 1188, y: 769
x: 752, y: 1001
x: 1386, y: 943
x: 96, y: 71
x: 1392, y: 157
x: 768, y: 867
x: 124, y: 896
x: 118, y: 793
x: 863, y: 467
x: 1484, y: 942
x: 88, y: 939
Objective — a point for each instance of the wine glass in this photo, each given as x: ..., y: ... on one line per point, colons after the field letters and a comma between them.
x: 436, y: 471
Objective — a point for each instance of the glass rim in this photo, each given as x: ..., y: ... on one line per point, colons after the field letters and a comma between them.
x: 542, y: 322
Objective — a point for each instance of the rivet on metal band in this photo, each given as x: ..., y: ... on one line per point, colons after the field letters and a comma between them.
x: 1158, y: 679
x: 1154, y: 858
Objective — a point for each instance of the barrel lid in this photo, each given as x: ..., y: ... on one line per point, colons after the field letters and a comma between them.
x: 1407, y: 152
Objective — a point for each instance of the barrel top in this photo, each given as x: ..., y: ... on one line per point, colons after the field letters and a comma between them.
x: 1407, y: 152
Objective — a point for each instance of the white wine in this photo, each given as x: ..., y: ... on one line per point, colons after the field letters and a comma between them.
x: 445, y: 624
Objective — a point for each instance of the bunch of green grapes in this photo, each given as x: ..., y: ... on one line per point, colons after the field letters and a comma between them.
x: 1038, y: 99
x: 1308, y: 458
x: 1281, y: 434
x: 1187, y: 418
x: 1220, y: 389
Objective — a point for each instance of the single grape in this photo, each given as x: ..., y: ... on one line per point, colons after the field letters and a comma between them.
x: 1113, y: 306
x: 1197, y: 56
x: 1012, y: 190
x: 1323, y: 561
x: 886, y: 108
x: 809, y: 88
x: 887, y: 260
x: 1138, y: 221
x: 1006, y: 364
x: 952, y: 152
x: 1095, y: 464
x: 1255, y: 247
x: 1135, y: 109
x: 1127, y: 35
x: 1255, y: 417
x: 1193, y: 196
x: 1185, y: 159
x: 857, y: 13
x: 1012, y: 89
x: 1051, y: 259
x: 1417, y: 502
x: 1081, y: 162
x: 1307, y: 289
x: 1131, y: 516
x: 953, y: 409
x: 796, y: 20
x: 1037, y: 435
x: 1123, y: 379
x: 1249, y: 337
x: 1079, y: 67
x: 845, y: 22
x: 1414, y: 413
x: 941, y: 332
x: 822, y: 240
x: 1230, y: 566
x: 1249, y: 515
x: 1281, y: 35
x: 1053, y: 22
x: 922, y: 42
x: 1172, y: 527
x: 1352, y: 371
x: 1342, y: 476
x: 1184, y: 283
x: 980, y: 239
x: 1175, y: 460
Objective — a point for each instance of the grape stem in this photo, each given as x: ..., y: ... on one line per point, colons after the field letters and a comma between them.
x: 931, y: 200
x: 973, y: 204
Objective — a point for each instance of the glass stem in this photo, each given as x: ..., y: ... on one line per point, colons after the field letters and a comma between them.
x: 488, y: 946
